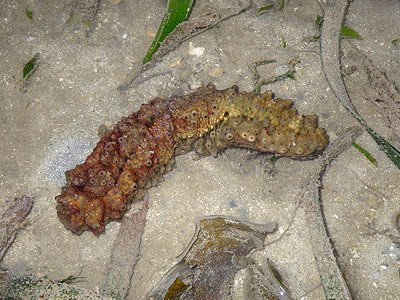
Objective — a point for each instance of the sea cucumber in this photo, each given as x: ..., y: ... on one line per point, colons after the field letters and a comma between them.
x: 142, y: 146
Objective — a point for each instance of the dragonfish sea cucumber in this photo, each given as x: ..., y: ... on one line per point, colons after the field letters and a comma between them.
x: 142, y: 146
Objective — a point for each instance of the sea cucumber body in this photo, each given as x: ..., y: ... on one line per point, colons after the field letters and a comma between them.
x: 141, y: 148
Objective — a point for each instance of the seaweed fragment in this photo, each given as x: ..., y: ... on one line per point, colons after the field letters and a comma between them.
x: 183, y: 32
x: 284, y: 42
x: 318, y: 22
x: 264, y: 9
x: 278, y: 4
x: 281, y: 4
x: 349, y: 33
x: 71, y: 279
x: 30, y: 67
x: 177, y: 12
x: 395, y: 42
x: 29, y: 14
x: 210, y: 262
x: 28, y: 70
x: 366, y: 154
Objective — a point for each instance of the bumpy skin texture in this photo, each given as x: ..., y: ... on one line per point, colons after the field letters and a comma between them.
x: 141, y: 148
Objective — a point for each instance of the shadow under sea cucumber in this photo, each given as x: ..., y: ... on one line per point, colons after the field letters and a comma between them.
x: 142, y: 146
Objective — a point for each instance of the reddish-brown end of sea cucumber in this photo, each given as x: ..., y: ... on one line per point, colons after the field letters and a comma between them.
x: 117, y: 171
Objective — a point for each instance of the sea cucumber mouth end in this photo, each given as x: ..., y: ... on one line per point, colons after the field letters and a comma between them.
x: 68, y: 212
x: 74, y: 222
x: 70, y: 222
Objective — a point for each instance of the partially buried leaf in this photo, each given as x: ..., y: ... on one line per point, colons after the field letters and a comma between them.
x: 177, y: 12
x: 349, y: 33
x: 395, y: 42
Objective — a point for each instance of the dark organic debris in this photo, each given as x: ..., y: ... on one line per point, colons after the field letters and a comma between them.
x: 30, y: 287
x: 183, y: 32
x: 260, y: 82
x: 125, y: 254
x: 208, y: 266
x: 332, y: 279
x: 82, y: 16
x: 330, y: 58
x: 262, y: 283
x: 71, y: 279
x: 12, y: 221
x: 387, y: 94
